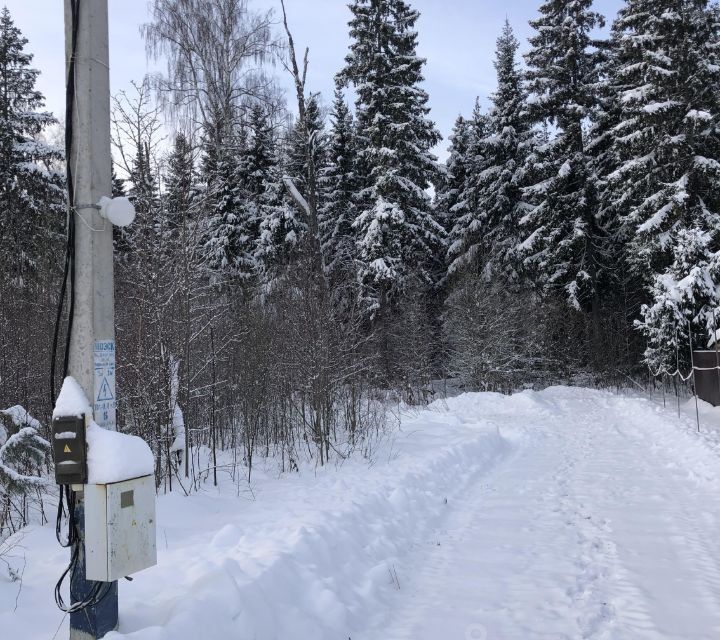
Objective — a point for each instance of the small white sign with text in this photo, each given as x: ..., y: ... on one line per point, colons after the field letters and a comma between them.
x: 105, y: 402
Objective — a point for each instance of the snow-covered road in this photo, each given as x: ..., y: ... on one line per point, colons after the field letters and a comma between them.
x: 563, y: 514
x: 601, y: 524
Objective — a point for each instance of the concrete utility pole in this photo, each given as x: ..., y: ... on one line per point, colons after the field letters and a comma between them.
x: 92, y: 350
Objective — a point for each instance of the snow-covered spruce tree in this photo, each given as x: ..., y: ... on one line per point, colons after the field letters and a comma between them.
x: 465, y: 238
x: 558, y: 247
x: 666, y: 147
x: 399, y: 239
x: 260, y: 155
x: 118, y: 184
x: 31, y: 190
x: 144, y: 191
x: 686, y: 293
x: 499, y: 185
x: 338, y: 188
x: 282, y: 225
x: 297, y: 160
x: 306, y: 156
x: 145, y: 196
x: 229, y: 239
x: 612, y: 274
x: 448, y: 200
x: 181, y: 188
x: 491, y: 228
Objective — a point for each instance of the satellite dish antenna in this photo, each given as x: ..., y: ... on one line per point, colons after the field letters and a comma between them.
x: 119, y: 211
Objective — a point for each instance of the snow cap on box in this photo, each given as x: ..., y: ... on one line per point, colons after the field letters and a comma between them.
x: 112, y: 456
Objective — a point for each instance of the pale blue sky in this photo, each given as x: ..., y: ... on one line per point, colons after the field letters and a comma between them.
x: 456, y: 36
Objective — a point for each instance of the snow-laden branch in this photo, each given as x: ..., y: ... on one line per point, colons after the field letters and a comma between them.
x: 296, y: 195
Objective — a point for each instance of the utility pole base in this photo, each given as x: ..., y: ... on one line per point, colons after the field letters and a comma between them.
x: 95, y: 622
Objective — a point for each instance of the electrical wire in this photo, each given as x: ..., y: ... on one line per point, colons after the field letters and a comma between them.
x: 69, y: 262
x: 99, y: 590
x: 66, y: 498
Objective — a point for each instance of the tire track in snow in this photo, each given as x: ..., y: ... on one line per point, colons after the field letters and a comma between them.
x: 679, y: 525
x: 666, y: 578
x: 601, y: 577
x: 596, y: 554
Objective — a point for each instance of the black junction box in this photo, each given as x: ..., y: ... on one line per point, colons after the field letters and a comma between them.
x: 69, y: 447
x: 707, y: 375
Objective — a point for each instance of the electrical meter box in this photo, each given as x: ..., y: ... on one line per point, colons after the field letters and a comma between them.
x: 119, y: 528
x: 69, y: 450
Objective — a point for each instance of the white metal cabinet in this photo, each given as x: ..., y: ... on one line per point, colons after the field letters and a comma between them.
x: 119, y: 528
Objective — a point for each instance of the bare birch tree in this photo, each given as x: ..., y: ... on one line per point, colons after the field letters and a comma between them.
x: 308, y: 203
x: 217, y: 53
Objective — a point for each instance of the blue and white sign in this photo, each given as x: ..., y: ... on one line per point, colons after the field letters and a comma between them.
x: 105, y: 402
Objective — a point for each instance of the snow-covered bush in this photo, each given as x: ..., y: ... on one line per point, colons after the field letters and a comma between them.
x: 23, y: 456
x: 501, y: 339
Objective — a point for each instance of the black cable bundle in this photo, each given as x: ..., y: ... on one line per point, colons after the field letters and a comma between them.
x: 66, y: 497
x: 99, y: 589
x: 69, y: 264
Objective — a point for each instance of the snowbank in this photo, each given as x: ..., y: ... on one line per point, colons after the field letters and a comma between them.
x: 312, y: 557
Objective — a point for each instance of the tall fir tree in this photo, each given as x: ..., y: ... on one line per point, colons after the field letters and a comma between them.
x: 281, y: 225
x: 500, y: 185
x: 306, y: 156
x: 338, y: 186
x: 559, y: 244
x: 399, y: 238
x: 297, y: 161
x: 229, y: 247
x: 465, y: 247
x: 118, y: 184
x: 665, y: 146
x: 490, y: 229
x: 31, y: 189
x: 181, y: 188
x: 451, y: 185
x: 144, y: 190
x: 144, y: 193
x: 256, y: 165
x: 612, y: 276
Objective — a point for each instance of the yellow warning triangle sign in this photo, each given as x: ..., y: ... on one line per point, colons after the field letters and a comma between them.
x: 67, y: 449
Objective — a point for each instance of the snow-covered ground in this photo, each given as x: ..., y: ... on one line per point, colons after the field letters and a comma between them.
x: 562, y: 514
